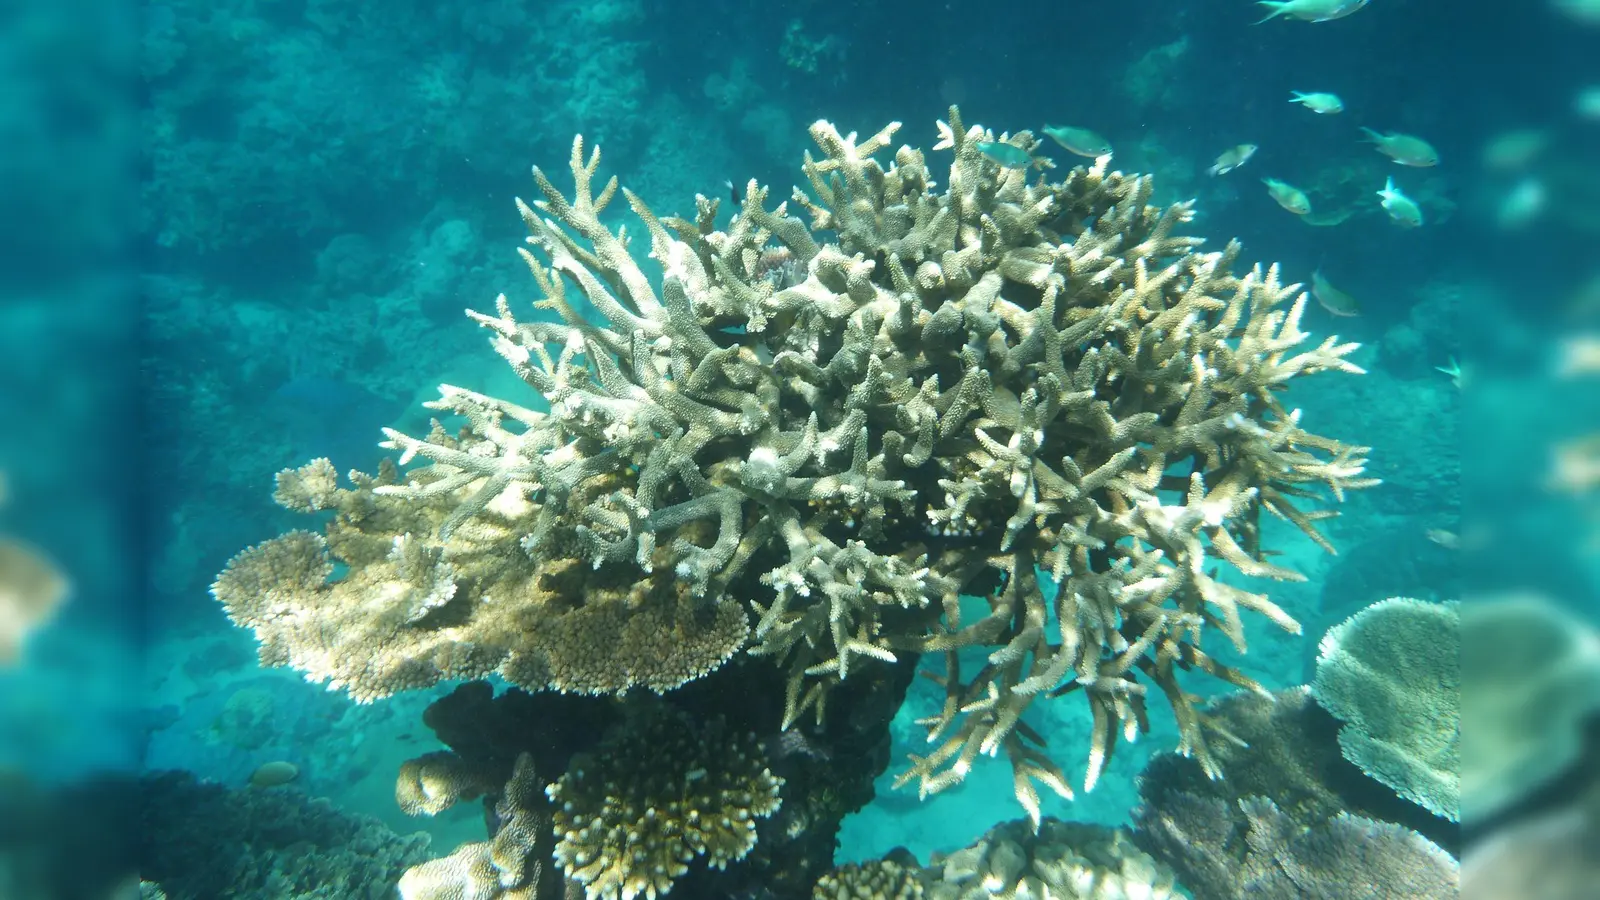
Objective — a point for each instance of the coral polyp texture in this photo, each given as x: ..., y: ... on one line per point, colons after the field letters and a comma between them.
x: 652, y: 798
x: 940, y: 391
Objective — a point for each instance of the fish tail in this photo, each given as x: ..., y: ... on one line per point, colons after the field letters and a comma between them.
x: 1372, y: 136
x: 1278, y: 7
x: 1294, y: 96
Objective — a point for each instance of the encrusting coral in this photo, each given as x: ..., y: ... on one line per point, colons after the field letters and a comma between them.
x: 937, y: 393
x: 1392, y: 673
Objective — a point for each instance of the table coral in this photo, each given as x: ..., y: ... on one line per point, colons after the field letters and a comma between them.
x: 956, y: 389
x: 1392, y: 673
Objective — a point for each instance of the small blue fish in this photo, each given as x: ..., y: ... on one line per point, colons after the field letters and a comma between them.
x: 1311, y: 10
x: 1402, y: 209
x: 1008, y: 155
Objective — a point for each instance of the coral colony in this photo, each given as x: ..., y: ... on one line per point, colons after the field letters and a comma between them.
x: 789, y: 456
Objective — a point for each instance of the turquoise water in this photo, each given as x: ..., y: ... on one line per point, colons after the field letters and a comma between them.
x: 311, y: 194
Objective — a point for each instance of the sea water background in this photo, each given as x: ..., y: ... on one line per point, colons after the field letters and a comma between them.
x: 240, y: 235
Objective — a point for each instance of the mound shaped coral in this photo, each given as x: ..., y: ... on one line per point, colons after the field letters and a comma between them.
x: 807, y: 438
x: 658, y: 792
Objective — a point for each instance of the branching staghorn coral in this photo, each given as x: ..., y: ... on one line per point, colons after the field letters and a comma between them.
x: 936, y: 393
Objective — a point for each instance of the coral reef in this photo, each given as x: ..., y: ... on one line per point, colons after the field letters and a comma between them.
x: 1020, y: 858
x: 964, y: 386
x: 1290, y: 816
x: 1050, y: 858
x: 205, y: 840
x: 1276, y: 857
x: 434, y: 782
x: 1392, y: 673
x: 605, y: 757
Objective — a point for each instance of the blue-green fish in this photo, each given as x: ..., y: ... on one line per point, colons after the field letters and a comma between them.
x: 1402, y: 209
x: 1288, y: 196
x: 1311, y: 10
x: 1335, y: 301
x: 1009, y: 155
x: 1405, y: 149
x: 1081, y: 141
x: 1319, y: 102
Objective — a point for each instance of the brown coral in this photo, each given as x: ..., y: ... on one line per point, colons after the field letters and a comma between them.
x: 659, y: 792
x: 512, y: 865
x: 434, y: 782
x: 881, y: 879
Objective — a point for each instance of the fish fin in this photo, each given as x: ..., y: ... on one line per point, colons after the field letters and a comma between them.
x: 1278, y: 7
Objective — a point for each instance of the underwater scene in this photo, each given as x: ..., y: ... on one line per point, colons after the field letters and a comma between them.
x: 822, y: 450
